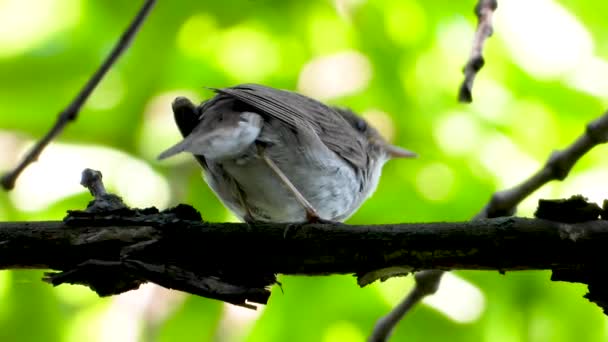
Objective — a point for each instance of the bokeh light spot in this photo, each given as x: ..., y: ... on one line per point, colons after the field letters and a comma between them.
x: 237, y: 322
x: 76, y: 295
x: 10, y: 144
x: 440, y: 67
x: 343, y: 331
x: 392, y: 290
x: 493, y: 106
x: 197, y: 36
x: 458, y: 299
x: 591, y: 77
x: 457, y: 133
x: 346, y: 8
x: 85, y: 324
x: 527, y: 120
x: 26, y: 23
x: 335, y: 75
x: 435, y: 181
x: 248, y: 54
x: 450, y: 51
x: 5, y: 281
x: 405, y: 21
x: 543, y: 37
x: 57, y: 173
x: 505, y: 161
x: 327, y: 32
x: 590, y: 183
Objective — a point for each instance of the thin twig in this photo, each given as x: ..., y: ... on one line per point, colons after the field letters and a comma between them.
x: 71, y: 112
x: 483, y: 10
x: 427, y: 283
x: 502, y: 203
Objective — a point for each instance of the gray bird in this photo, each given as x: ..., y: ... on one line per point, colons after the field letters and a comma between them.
x: 277, y: 156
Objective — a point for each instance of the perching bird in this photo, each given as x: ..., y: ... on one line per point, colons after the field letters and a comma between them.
x: 277, y: 156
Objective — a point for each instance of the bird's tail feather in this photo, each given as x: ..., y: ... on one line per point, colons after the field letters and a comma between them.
x: 173, y: 150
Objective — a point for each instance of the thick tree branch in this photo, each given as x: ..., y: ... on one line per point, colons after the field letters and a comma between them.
x: 71, y: 112
x: 116, y: 252
x: 484, y: 11
x: 112, y: 248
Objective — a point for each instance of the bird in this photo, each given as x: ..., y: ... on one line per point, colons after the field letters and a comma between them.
x: 274, y: 155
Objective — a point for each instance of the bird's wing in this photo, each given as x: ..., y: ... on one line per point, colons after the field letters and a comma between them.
x: 294, y: 109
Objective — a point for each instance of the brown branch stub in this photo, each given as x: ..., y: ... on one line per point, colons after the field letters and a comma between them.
x: 71, y: 111
x: 91, y: 179
x: 103, y: 201
x: 484, y: 11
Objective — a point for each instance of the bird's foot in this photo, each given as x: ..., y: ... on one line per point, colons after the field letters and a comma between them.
x: 291, y: 229
x: 249, y: 221
x: 313, y: 217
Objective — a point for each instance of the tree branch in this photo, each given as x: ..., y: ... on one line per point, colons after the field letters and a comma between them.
x: 116, y: 251
x: 71, y: 112
x: 112, y: 249
x: 483, y: 10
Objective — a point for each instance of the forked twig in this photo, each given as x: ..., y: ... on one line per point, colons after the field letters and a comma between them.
x: 557, y: 167
x: 502, y: 203
x: 484, y: 10
x: 71, y: 112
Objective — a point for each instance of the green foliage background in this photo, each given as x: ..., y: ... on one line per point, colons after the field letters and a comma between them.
x: 415, y: 50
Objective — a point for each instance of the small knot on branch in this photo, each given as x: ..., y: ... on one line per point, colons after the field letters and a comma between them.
x: 483, y: 5
x: 91, y: 179
x: 476, y: 63
x: 104, y: 201
x: 559, y: 165
x: 597, y: 130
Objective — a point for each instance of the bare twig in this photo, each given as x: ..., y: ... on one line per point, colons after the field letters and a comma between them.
x: 71, y: 112
x: 557, y: 167
x: 427, y: 283
x: 503, y: 203
x: 484, y: 10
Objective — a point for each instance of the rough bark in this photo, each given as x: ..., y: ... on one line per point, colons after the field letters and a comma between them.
x: 116, y: 250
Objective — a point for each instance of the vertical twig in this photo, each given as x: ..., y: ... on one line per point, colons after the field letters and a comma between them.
x: 484, y: 10
x: 71, y: 112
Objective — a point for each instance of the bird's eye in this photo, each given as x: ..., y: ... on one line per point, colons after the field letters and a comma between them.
x: 361, y: 125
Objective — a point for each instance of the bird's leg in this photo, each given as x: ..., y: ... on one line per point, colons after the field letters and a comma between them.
x: 311, y: 213
x: 248, y: 218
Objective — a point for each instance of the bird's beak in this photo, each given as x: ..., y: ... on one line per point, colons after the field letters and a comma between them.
x: 397, y: 152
